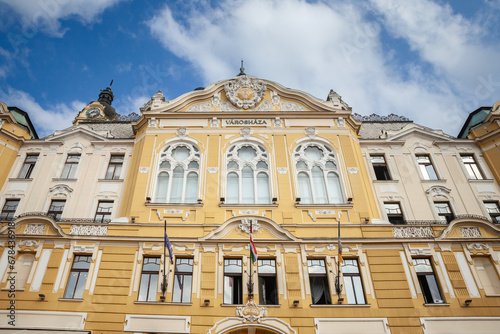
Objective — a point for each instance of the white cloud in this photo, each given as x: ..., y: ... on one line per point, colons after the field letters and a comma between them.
x: 45, y: 120
x: 317, y: 46
x: 46, y: 15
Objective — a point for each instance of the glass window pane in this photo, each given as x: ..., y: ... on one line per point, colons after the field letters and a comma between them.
x: 266, y: 266
x: 334, y: 188
x: 247, y: 153
x: 153, y: 287
x: 232, y: 266
x: 162, y: 188
x: 232, y: 195
x: 193, y: 165
x: 186, y: 289
x: 192, y: 188
x: 263, y: 196
x: 305, y: 192
x: 70, y: 286
x: 165, y: 165
x: 316, y: 266
x: 358, y: 288
x: 247, y: 186
x: 319, y: 186
x: 180, y: 153
x: 177, y: 293
x: 177, y: 183
x: 261, y: 165
x: 301, y: 165
x: 349, y: 290
x: 232, y: 165
x: 313, y: 153
x: 228, y: 289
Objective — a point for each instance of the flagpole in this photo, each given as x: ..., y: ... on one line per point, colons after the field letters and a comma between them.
x: 250, y: 285
x: 338, y: 286
x: 164, y: 285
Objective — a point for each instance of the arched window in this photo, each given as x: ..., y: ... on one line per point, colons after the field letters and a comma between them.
x: 178, y: 173
x: 248, y: 175
x: 317, y: 174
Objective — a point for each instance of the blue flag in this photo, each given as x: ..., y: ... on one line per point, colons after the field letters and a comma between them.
x: 168, y: 245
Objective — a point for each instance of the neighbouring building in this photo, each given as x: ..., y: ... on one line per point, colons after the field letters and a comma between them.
x: 361, y: 224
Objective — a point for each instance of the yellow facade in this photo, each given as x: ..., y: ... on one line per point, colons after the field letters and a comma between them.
x: 278, y: 133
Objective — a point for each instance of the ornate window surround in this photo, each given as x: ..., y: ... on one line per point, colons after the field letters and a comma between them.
x: 440, y: 194
x: 421, y: 149
x: 321, y: 142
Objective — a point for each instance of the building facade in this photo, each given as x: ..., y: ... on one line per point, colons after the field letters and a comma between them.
x: 359, y: 226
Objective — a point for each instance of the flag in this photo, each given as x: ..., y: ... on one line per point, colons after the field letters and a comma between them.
x: 168, y: 245
x: 340, y: 259
x: 253, y: 250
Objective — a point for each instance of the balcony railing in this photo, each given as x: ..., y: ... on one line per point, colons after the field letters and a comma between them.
x: 61, y: 219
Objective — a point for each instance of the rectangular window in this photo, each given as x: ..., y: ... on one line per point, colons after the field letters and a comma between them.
x: 233, y: 281
x: 444, y: 211
x: 352, y: 282
x: 268, y: 288
x: 22, y: 268
x: 103, y: 212
x: 183, y: 281
x: 149, y: 279
x: 9, y: 209
x: 56, y: 209
x: 471, y: 167
x: 380, y: 167
x: 488, y: 275
x: 28, y: 166
x: 77, y: 277
x: 114, y: 167
x: 494, y: 211
x: 70, y: 166
x: 394, y: 214
x: 320, y: 291
x: 428, y: 282
x: 426, y: 168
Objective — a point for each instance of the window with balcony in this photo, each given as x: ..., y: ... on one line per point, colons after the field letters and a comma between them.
x: 428, y: 282
x: 352, y: 282
x: 28, y: 166
x: 394, y: 213
x: 380, y: 167
x: 178, y: 174
x: 426, y: 167
x: 471, y: 167
x: 77, y: 277
x: 115, y: 167
x: 103, y: 212
x: 149, y: 279
x: 183, y: 280
x: 233, y: 281
x: 318, y: 175
x: 56, y: 209
x: 70, y: 166
x: 268, y: 288
x: 494, y: 211
x: 9, y: 209
x: 318, y: 279
x: 444, y: 211
x: 247, y: 174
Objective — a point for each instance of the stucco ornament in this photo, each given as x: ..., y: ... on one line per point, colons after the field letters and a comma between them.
x: 311, y: 132
x: 278, y: 122
x: 216, y: 100
x: 244, y: 91
x: 412, y: 232
x: 471, y: 232
x: 251, y: 311
x: 245, y: 132
x: 93, y: 230
x: 34, y: 229
x: 245, y: 225
x: 181, y: 132
x: 214, y: 122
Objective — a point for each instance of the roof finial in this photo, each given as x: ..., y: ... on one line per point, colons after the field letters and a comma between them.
x: 111, y: 83
x: 242, y: 69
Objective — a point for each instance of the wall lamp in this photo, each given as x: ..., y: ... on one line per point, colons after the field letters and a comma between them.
x: 200, y: 201
x: 162, y: 298
x: 148, y: 199
x: 133, y: 219
x: 222, y: 200
x: 206, y: 302
x: 295, y: 303
x: 367, y: 220
x: 349, y: 199
x: 467, y: 302
x: 297, y: 200
x: 275, y: 199
x: 42, y: 296
x: 340, y: 300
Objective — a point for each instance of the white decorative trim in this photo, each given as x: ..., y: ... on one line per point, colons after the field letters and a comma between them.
x: 246, y: 131
x: 143, y: 170
x: 291, y: 106
x: 34, y: 229
x: 275, y: 98
x: 471, y: 232
x: 412, y: 232
x: 29, y: 243
x: 245, y: 225
x: 251, y: 311
x: 153, y: 122
x: 152, y: 323
x: 51, y: 320
x: 216, y: 100
x: 282, y: 170
x: 363, y: 325
x: 173, y: 211
x: 181, y: 132
x: 212, y: 170
x: 278, y: 122
x: 245, y: 92
x: 466, y: 274
x: 311, y: 132
x: 214, y: 122
x: 200, y: 107
x: 340, y: 122
x: 61, y: 190
x: 248, y: 212
x: 227, y: 106
x: 325, y: 212
x: 83, y: 249
x: 94, y: 230
x: 352, y: 170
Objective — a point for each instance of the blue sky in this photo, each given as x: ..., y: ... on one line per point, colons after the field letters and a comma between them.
x: 431, y: 61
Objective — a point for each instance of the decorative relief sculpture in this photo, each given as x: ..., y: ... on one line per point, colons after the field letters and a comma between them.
x: 311, y: 132
x: 227, y: 106
x: 94, y: 230
x: 275, y: 98
x: 245, y: 92
x: 378, y: 118
x: 337, y: 101
x: 245, y: 225
x: 200, y: 107
x: 325, y: 212
x: 181, y: 132
x: 412, y: 232
x: 352, y: 170
x: 216, y: 100
x: 214, y: 122
x: 340, y: 122
x: 471, y: 232
x: 173, y: 211
x: 264, y: 106
x: 34, y: 229
x: 251, y: 311
x: 438, y: 191
x: 61, y: 190
x: 143, y: 170
x: 291, y: 106
x: 282, y: 170
x: 153, y: 123
x: 278, y: 122
x: 212, y: 170
x: 245, y: 132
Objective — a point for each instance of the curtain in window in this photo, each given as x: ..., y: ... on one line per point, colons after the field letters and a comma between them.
x: 162, y: 188
x: 177, y: 181
x: 334, y: 188
x: 263, y: 189
x: 305, y: 189
x: 232, y: 194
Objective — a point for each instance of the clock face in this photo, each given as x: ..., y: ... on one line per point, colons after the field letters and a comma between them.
x: 93, y: 112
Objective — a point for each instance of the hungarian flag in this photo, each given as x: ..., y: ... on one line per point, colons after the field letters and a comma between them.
x: 253, y: 250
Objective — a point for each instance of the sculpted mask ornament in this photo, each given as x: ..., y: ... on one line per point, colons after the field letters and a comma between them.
x: 245, y: 92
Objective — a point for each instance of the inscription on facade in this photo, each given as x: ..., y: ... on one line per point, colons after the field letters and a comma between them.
x: 245, y: 122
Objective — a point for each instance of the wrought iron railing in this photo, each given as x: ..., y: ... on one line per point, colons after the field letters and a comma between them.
x: 60, y: 219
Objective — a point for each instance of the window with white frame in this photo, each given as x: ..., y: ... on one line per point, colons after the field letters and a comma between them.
x: 70, y: 166
x: 352, y: 281
x: 472, y: 167
x: 178, y: 174
x: 317, y: 174
x: 248, y: 174
x: 426, y: 167
x: 428, y: 282
x: 28, y: 166
x: 494, y: 210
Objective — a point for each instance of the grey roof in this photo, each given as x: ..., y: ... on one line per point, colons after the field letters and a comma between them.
x: 373, y: 130
x: 115, y: 130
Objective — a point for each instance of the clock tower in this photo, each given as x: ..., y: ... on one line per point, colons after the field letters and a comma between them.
x: 100, y: 110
